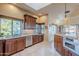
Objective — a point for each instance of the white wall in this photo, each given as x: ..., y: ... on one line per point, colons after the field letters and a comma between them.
x: 53, y: 19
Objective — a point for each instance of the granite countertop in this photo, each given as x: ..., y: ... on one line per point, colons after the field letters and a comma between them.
x: 67, y: 36
x: 11, y: 37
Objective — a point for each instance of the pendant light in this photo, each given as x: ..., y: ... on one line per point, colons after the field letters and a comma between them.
x: 66, y: 12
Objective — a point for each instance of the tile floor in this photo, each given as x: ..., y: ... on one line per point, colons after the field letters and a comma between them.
x: 40, y: 49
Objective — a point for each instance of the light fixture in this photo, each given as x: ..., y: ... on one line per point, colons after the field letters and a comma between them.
x: 66, y: 12
x: 39, y: 14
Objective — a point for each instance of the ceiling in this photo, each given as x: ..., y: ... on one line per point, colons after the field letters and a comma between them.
x: 46, y: 8
x: 33, y: 7
x: 37, y: 6
x: 55, y: 11
x: 59, y: 8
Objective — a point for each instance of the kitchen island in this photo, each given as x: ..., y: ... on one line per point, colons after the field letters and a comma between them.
x: 11, y: 45
x: 69, y: 47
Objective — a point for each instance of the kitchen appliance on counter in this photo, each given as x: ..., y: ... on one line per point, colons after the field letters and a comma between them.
x: 71, y: 44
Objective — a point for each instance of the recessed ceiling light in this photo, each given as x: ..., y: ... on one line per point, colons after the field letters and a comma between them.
x: 40, y: 14
x: 11, y: 6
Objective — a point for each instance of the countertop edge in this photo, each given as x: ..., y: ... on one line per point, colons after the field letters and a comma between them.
x: 6, y: 38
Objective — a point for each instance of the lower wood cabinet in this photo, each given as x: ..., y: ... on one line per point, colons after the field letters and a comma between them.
x: 14, y: 45
x: 40, y: 38
x: 37, y: 38
x: 10, y: 46
x: 21, y: 43
x: 58, y: 44
x: 34, y: 39
x: 1, y: 47
x: 69, y: 53
x: 66, y: 52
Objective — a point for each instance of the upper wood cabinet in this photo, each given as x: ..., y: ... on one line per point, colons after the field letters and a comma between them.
x: 29, y: 22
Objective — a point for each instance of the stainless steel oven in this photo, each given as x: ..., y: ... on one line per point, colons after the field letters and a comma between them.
x: 68, y: 43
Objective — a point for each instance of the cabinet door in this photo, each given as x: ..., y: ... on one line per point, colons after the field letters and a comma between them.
x: 34, y: 39
x: 66, y: 52
x: 21, y: 43
x: 73, y: 54
x: 25, y: 22
x: 55, y: 42
x: 58, y: 43
x: 37, y: 39
x: 34, y: 23
x: 10, y: 46
x: 70, y: 53
x: 40, y: 38
x: 30, y: 21
x: 1, y: 47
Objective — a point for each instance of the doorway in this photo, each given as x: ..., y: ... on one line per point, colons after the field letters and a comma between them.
x: 52, y: 29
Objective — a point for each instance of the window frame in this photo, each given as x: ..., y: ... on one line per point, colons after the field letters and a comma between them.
x: 12, y: 19
x: 68, y: 26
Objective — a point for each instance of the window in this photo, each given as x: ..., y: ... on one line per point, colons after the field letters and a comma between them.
x: 10, y: 27
x: 16, y: 27
x: 40, y: 28
x: 52, y: 29
x: 43, y: 28
x: 70, y: 30
x: 6, y: 27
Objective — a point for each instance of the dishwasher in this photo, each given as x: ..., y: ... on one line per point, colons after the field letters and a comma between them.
x: 28, y: 41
